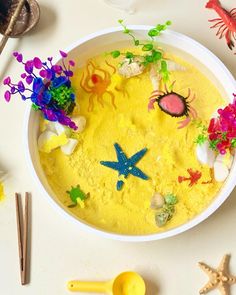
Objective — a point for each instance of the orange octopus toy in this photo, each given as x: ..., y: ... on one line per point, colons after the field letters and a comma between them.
x: 96, y: 81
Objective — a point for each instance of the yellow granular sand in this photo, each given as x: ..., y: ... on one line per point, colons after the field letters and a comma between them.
x: 171, y: 152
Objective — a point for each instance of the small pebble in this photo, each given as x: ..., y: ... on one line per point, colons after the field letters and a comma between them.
x: 62, y: 129
x: 44, y: 137
x: 130, y: 69
x: 161, y: 218
x: 80, y: 122
x: 157, y: 201
x: 69, y: 148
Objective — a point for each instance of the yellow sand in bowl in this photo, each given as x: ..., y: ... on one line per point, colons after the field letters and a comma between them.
x: 171, y: 152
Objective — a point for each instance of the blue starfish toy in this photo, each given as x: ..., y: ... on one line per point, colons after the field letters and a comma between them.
x: 126, y: 166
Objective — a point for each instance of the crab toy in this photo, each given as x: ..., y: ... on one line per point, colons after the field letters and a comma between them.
x: 174, y: 104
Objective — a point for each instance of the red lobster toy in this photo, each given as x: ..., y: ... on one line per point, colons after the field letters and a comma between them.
x: 226, y: 22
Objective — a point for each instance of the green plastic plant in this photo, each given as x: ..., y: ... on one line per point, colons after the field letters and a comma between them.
x: 203, y: 136
x: 152, y: 55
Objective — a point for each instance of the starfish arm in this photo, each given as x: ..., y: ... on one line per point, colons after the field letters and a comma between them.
x: 208, y: 287
x: 136, y: 157
x: 232, y: 279
x: 135, y: 171
x: 112, y: 165
x: 207, y: 269
x: 224, y: 264
x: 120, y: 154
x: 119, y: 185
x: 224, y: 288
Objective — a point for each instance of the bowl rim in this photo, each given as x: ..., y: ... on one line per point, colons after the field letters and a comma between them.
x: 213, y: 206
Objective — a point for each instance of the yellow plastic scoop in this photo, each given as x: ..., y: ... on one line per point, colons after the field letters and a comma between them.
x: 126, y: 283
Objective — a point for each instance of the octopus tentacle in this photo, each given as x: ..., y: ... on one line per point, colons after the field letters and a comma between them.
x: 112, y: 98
x: 111, y: 66
x: 100, y: 99
x: 91, y: 102
x: 84, y: 84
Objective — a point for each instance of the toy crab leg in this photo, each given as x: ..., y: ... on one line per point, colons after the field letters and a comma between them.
x: 214, y: 19
x: 228, y: 40
x: 156, y: 93
x: 217, y: 24
x: 193, y: 112
x: 171, y: 86
x: 184, y: 123
x: 151, y: 104
x: 231, y: 11
x: 194, y: 96
x: 223, y: 33
x: 219, y: 30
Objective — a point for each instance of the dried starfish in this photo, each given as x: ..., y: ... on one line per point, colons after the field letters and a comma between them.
x: 218, y: 278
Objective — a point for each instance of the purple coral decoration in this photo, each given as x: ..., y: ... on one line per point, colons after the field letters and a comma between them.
x: 48, y: 86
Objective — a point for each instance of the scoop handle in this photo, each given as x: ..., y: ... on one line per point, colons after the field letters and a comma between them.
x: 96, y: 287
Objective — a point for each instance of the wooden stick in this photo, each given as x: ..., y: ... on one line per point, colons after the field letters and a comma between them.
x: 11, y: 24
x: 19, y: 233
x: 25, y: 239
x: 22, y: 233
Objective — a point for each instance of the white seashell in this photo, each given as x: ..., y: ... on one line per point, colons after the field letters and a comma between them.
x: 173, y: 66
x: 129, y: 69
x: 205, y: 155
x: 59, y: 128
x: 221, y: 171
x: 62, y: 129
x: 51, y: 126
x: 44, y: 137
x: 225, y: 159
x: 69, y: 148
x: 80, y: 122
x: 157, y: 201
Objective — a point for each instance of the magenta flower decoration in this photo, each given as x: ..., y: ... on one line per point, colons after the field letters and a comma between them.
x: 222, y: 130
x: 48, y: 86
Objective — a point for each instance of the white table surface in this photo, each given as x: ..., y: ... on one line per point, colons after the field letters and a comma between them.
x: 60, y: 250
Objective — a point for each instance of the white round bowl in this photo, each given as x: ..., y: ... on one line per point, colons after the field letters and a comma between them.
x: 108, y: 40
